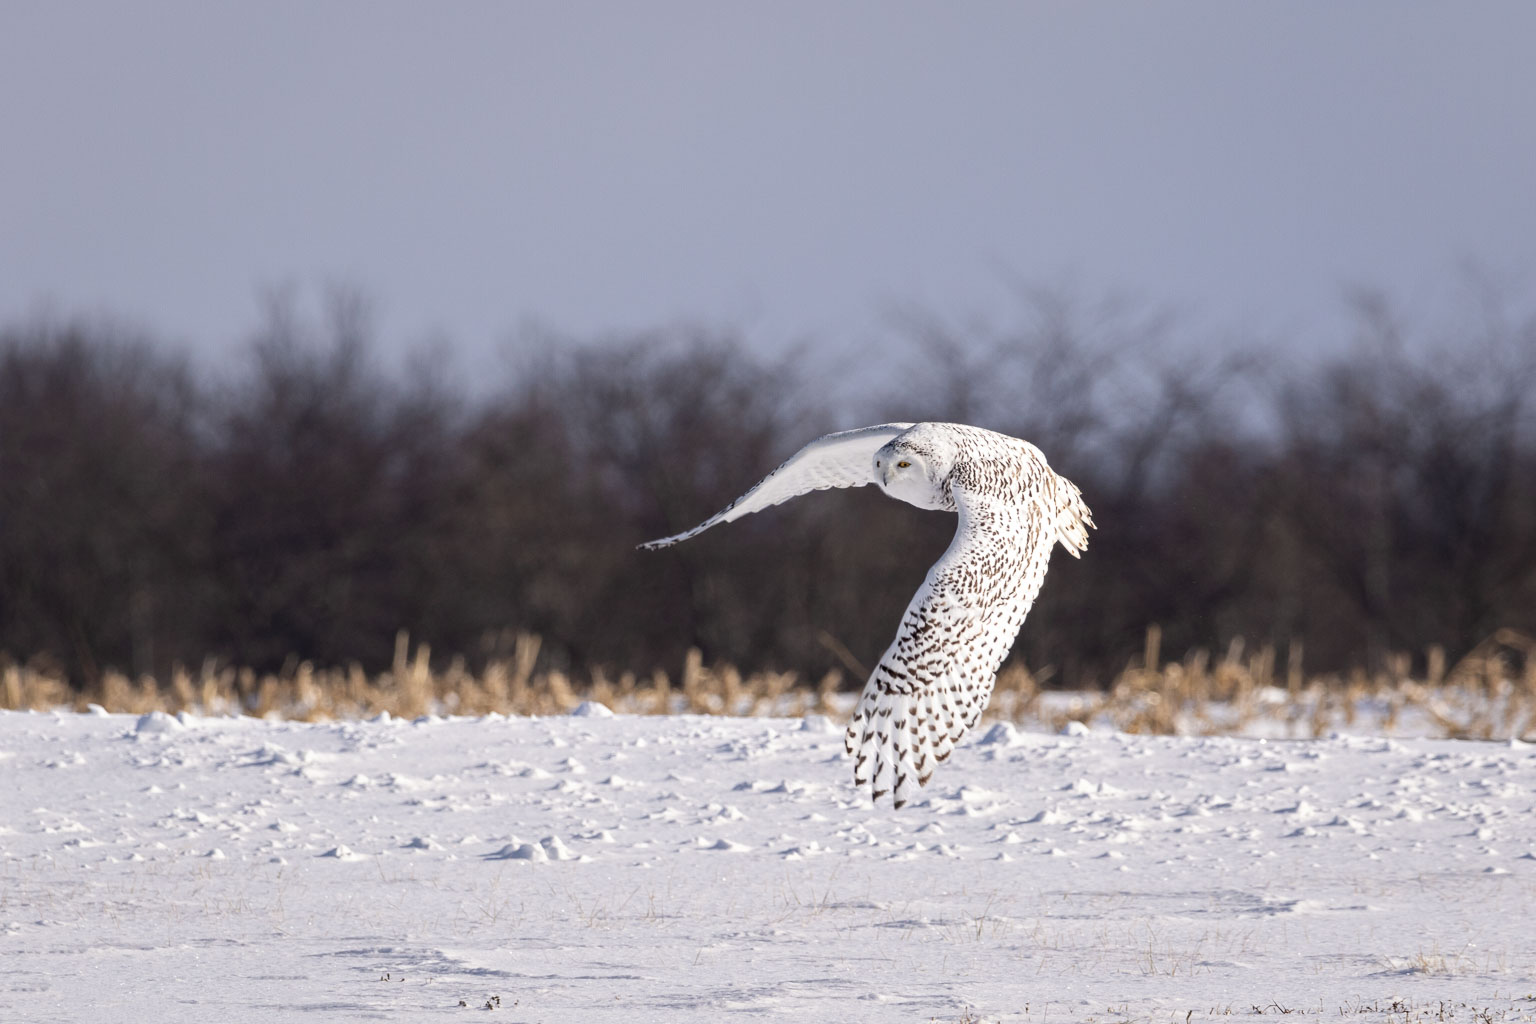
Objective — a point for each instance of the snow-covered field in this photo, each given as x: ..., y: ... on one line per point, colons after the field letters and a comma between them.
x: 598, y: 868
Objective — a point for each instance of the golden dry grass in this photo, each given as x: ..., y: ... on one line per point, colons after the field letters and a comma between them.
x: 1490, y: 694
x: 412, y: 687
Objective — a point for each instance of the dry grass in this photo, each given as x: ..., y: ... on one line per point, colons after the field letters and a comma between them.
x: 1490, y: 694
x: 412, y: 687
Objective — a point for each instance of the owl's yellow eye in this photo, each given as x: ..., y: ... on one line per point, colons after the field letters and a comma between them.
x: 903, y: 465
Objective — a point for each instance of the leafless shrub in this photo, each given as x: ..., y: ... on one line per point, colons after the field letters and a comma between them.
x: 309, y: 505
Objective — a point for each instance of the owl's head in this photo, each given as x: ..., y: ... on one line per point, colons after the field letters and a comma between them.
x: 910, y: 472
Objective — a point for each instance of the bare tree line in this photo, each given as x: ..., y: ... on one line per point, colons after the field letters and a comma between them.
x: 311, y: 505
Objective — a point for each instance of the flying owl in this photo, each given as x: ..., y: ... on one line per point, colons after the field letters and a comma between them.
x: 935, y: 679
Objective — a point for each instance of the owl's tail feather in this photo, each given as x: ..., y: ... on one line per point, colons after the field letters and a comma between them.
x: 898, y: 739
x: 1073, y: 518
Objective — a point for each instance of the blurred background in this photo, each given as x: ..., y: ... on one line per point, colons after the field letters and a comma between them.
x: 324, y: 322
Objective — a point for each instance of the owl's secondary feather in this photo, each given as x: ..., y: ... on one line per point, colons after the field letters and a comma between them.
x: 933, y: 682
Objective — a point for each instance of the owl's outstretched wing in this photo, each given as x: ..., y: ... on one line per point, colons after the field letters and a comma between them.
x: 844, y: 459
x: 935, y: 679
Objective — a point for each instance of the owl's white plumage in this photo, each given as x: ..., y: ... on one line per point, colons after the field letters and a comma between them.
x: 936, y: 677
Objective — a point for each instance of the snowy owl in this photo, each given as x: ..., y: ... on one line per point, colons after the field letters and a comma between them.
x: 936, y: 677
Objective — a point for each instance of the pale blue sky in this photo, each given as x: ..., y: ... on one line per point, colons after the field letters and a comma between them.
x: 795, y: 169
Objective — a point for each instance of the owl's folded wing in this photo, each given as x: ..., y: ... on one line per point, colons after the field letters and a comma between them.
x: 843, y: 459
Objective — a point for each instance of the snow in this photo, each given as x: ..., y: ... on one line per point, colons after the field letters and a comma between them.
x: 630, y: 868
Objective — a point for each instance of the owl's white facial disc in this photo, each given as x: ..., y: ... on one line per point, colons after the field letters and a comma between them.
x: 904, y: 474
